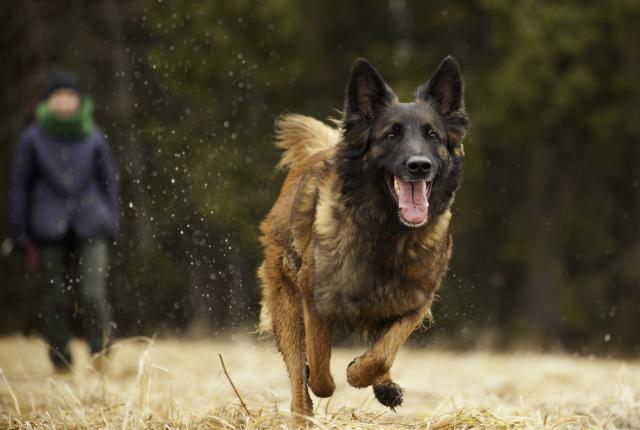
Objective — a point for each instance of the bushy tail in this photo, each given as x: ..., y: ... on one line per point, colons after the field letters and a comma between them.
x: 302, y: 136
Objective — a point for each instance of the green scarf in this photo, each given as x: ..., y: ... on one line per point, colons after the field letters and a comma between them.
x: 76, y: 125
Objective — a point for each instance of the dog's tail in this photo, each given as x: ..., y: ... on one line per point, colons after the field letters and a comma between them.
x: 302, y: 136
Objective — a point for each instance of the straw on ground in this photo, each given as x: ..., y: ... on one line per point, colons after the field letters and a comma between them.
x: 181, y: 384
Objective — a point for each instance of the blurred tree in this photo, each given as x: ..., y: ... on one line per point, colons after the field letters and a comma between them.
x: 559, y: 167
x: 546, y: 232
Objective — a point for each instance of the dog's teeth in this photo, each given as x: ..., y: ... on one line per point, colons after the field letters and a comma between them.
x: 396, y: 185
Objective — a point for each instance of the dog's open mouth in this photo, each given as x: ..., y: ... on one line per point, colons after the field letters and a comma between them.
x: 412, y: 198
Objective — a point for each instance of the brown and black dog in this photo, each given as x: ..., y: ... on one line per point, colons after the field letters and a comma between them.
x: 359, y: 236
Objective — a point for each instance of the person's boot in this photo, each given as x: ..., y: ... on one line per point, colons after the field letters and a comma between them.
x: 100, y: 362
x: 61, y: 360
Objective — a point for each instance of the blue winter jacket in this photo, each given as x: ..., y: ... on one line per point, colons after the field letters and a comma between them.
x: 61, y: 186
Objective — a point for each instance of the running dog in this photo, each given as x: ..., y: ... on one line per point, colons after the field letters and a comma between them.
x: 359, y: 235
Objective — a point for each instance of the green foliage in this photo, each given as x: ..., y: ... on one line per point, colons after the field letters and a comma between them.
x: 545, y: 227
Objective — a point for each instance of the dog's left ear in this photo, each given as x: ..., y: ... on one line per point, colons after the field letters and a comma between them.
x: 367, y: 93
x: 445, y: 87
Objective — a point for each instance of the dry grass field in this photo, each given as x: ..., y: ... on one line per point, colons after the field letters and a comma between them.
x: 168, y: 384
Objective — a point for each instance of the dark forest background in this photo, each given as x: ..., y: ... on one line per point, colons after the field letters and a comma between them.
x: 546, y: 226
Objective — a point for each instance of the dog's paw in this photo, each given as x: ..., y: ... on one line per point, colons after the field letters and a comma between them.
x: 364, y: 370
x: 389, y: 394
x: 322, y: 388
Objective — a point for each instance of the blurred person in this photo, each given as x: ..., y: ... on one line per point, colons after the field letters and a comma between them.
x: 65, y: 209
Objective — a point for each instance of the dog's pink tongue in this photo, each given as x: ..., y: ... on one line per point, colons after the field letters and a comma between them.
x: 412, y: 199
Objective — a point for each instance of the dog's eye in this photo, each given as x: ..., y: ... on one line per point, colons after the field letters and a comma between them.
x: 433, y: 136
x: 390, y: 135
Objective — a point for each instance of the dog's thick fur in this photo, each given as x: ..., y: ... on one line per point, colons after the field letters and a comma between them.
x: 339, y: 250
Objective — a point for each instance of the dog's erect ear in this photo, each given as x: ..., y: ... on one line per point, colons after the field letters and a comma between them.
x: 445, y: 87
x: 446, y: 90
x: 367, y: 93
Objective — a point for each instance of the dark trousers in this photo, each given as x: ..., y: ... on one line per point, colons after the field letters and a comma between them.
x: 92, y: 259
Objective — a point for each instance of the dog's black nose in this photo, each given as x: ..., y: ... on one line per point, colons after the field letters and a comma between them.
x: 418, y: 165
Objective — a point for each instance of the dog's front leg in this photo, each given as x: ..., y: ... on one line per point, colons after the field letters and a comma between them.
x: 376, y: 362
x: 318, y: 335
x: 388, y: 392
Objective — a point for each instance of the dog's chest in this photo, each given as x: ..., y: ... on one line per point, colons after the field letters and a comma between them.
x: 362, y: 285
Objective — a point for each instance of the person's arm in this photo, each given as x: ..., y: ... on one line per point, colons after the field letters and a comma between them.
x: 108, y: 175
x: 21, y: 180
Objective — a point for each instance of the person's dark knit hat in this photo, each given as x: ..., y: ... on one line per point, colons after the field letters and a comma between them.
x: 61, y: 78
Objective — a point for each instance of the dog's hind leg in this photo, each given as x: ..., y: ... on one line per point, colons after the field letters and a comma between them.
x: 376, y: 362
x: 318, y: 334
x: 285, y: 306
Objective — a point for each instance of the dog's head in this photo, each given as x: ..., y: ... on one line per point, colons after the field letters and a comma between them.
x: 409, y: 155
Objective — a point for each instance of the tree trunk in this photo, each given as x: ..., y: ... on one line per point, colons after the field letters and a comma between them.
x: 135, y: 165
x: 541, y: 305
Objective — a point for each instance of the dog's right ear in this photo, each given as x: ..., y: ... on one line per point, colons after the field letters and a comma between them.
x: 367, y: 93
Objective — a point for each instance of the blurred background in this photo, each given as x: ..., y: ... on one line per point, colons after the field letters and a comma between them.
x: 546, y: 226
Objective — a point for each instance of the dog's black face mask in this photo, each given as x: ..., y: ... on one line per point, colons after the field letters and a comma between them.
x: 412, y: 152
